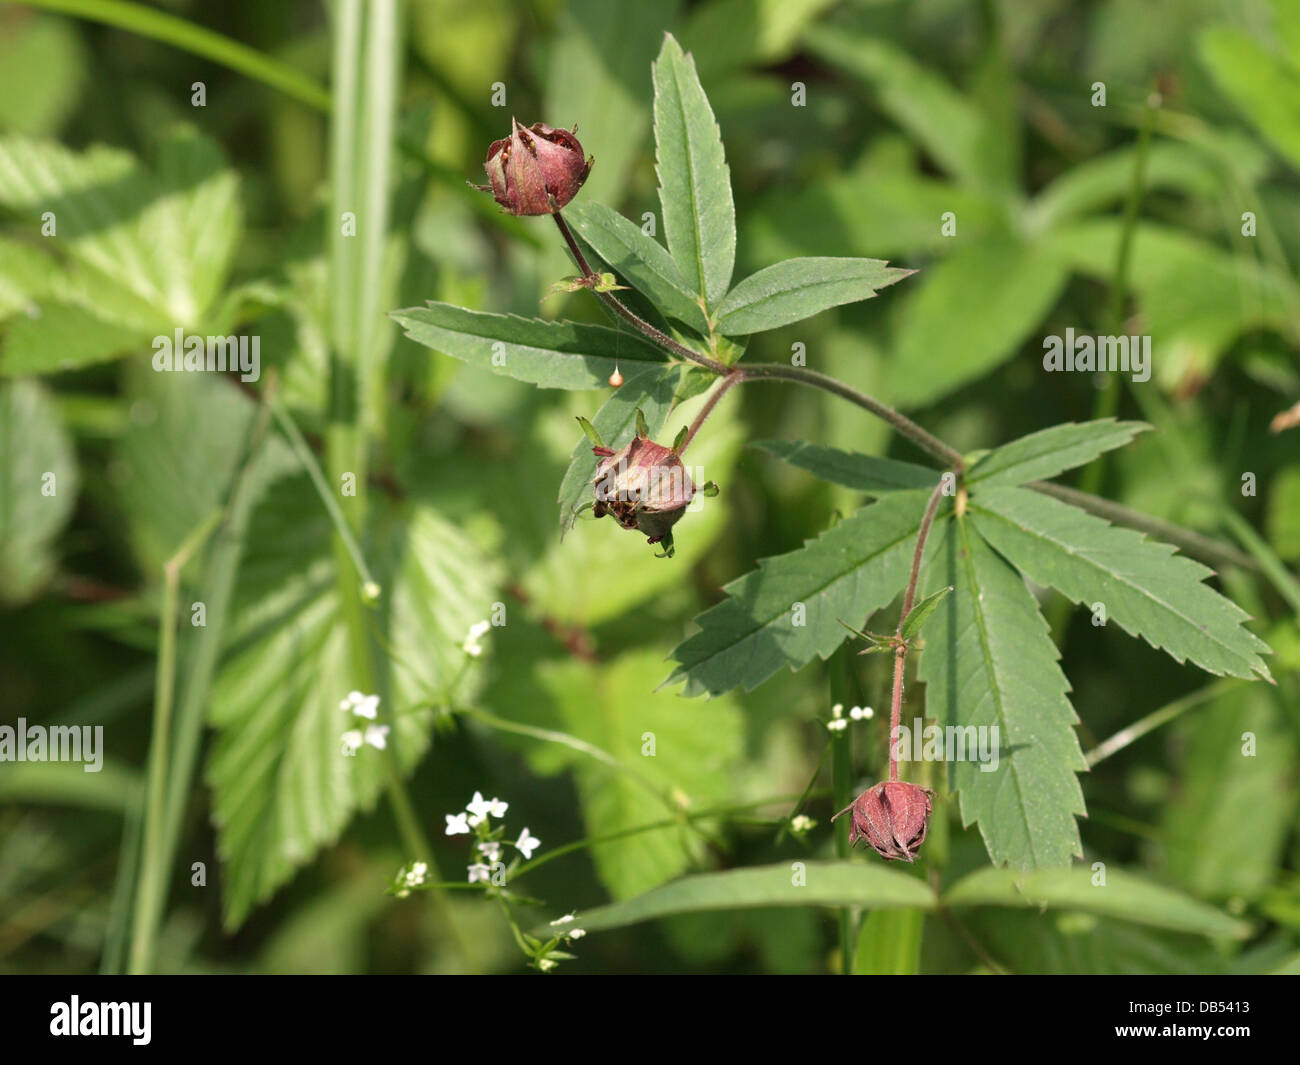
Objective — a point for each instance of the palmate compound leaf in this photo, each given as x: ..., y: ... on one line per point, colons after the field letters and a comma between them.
x: 800, y: 288
x: 147, y: 250
x: 282, y: 787
x: 694, y: 179
x: 546, y: 354
x: 989, y: 662
x: 1145, y: 588
x: 789, y: 609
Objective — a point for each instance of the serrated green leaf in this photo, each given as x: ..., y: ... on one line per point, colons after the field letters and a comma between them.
x: 989, y: 662
x: 147, y: 250
x: 849, y: 571
x: 650, y: 389
x: 1046, y: 453
x: 867, y: 473
x: 1124, y: 896
x: 38, y: 488
x: 282, y: 786
x: 824, y: 884
x: 921, y: 612
x: 1146, y: 588
x: 546, y: 354
x: 800, y: 288
x: 694, y: 179
x: 639, y: 259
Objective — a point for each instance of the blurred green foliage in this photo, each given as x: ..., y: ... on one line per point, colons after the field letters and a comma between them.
x: 213, y: 219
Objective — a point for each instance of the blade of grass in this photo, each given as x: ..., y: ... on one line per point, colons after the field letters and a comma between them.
x: 159, y: 851
x: 185, y: 35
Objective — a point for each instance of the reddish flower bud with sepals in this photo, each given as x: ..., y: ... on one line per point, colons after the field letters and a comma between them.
x: 645, y: 485
x: 893, y: 817
x: 535, y: 170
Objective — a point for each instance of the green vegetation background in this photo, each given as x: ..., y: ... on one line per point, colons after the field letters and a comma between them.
x: 912, y: 109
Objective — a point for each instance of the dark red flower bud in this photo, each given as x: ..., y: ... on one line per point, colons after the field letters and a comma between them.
x: 535, y: 170
x: 645, y: 487
x: 892, y: 817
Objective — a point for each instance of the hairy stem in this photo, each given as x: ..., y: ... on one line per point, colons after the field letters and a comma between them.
x: 900, y: 647
x: 630, y: 316
x: 721, y: 389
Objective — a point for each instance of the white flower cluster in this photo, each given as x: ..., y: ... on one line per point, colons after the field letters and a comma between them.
x: 364, y: 706
x: 476, y: 817
x: 838, y: 722
x: 477, y: 631
x: 411, y: 878
x: 572, y: 933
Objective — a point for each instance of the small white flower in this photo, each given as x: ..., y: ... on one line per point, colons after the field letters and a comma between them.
x: 838, y: 725
x: 456, y: 825
x: 801, y: 823
x: 577, y: 933
x: 367, y: 707
x: 352, y: 741
x: 862, y: 713
x: 527, y: 844
x: 471, y: 646
x: 498, y: 808
x: 478, y: 806
x: 478, y: 872
x: 415, y: 876
x: 563, y: 920
x: 837, y: 710
x: 475, y: 820
x: 490, y: 849
x: 377, y: 736
x: 546, y: 965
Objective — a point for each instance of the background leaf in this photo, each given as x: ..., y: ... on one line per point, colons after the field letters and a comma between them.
x: 33, y: 446
x: 1046, y: 453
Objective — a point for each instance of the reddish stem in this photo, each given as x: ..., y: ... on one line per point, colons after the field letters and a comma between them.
x: 900, y: 647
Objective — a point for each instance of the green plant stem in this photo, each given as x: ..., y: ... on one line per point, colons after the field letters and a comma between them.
x: 841, y: 793
x: 757, y: 371
x: 627, y: 314
x: 308, y: 459
x: 1106, y: 403
x: 734, y: 377
x: 950, y: 457
x: 582, y: 746
x: 653, y: 826
x: 160, y: 26
x: 153, y: 871
x: 1162, y: 716
x: 223, y: 564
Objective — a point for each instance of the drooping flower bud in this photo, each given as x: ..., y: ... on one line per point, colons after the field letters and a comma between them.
x: 645, y: 487
x: 893, y: 817
x: 535, y: 170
